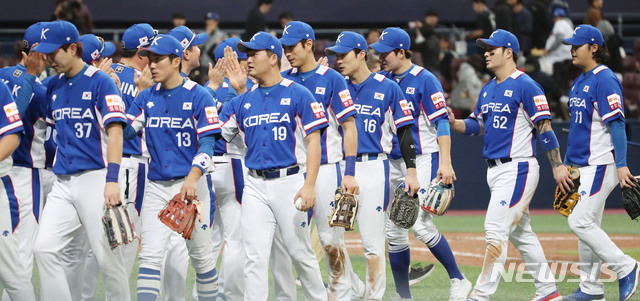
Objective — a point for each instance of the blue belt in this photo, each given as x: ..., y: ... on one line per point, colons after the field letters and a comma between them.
x: 366, y: 157
x: 276, y: 173
x: 496, y: 162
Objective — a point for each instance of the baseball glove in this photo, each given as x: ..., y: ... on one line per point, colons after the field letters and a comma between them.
x: 345, y: 210
x: 631, y: 199
x: 118, y: 226
x: 437, y: 198
x: 565, y: 202
x: 180, y: 216
x: 404, y: 210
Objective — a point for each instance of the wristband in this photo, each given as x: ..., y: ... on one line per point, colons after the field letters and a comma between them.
x: 113, y: 169
x: 202, y: 161
x: 472, y: 127
x: 350, y: 166
x: 549, y: 141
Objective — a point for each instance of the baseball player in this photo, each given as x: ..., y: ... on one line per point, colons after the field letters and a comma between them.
x: 13, y: 275
x: 180, y: 121
x: 282, y: 124
x: 597, y: 116
x: 510, y: 109
x: 382, y: 110
x: 86, y: 108
x: 133, y: 78
x: 330, y: 89
x: 431, y: 136
x: 29, y: 157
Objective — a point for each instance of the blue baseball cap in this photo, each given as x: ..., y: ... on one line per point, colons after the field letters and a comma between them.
x: 212, y: 16
x: 584, y: 34
x: 559, y: 12
x: 500, y: 38
x: 347, y: 41
x: 392, y: 38
x: 261, y: 40
x: 32, y: 34
x: 137, y: 36
x: 163, y: 44
x: 186, y: 37
x: 55, y: 34
x: 218, y: 53
x: 92, y: 47
x: 109, y: 49
x: 296, y: 31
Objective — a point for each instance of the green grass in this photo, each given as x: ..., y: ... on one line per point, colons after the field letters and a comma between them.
x: 436, y: 286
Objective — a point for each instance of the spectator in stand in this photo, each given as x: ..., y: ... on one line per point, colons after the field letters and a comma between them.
x: 447, y: 54
x: 425, y: 41
x: 614, y: 43
x: 75, y: 12
x: 594, y: 13
x: 557, y: 58
x: 551, y: 88
x: 524, y: 24
x: 504, y: 16
x: 257, y: 20
x: 485, y: 22
x: 541, y: 22
x: 466, y: 91
x: 178, y: 19
x: 373, y: 61
x: 373, y: 35
x: 216, y: 35
x: 285, y: 17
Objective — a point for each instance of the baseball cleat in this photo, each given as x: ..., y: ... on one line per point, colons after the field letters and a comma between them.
x: 459, y: 290
x: 627, y: 285
x: 555, y: 296
x: 417, y: 273
x: 578, y: 295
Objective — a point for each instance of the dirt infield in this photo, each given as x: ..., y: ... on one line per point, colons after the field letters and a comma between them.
x: 469, y: 248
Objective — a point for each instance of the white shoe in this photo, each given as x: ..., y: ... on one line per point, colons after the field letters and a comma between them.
x: 459, y: 289
x: 398, y: 298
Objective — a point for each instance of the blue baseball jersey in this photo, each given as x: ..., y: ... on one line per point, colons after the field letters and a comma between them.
x: 329, y: 89
x: 236, y: 146
x: 10, y: 123
x: 30, y: 152
x: 173, y: 121
x: 274, y: 124
x: 50, y: 143
x: 129, y: 92
x: 425, y: 97
x: 80, y: 107
x: 595, y: 100
x: 508, y: 111
x: 382, y: 108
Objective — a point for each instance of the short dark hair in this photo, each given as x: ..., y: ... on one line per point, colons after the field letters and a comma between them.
x: 128, y: 53
x: 313, y: 44
x: 270, y: 53
x: 286, y: 15
x: 178, y: 15
x: 78, y: 51
x: 357, y: 51
x: 260, y: 2
x: 602, y: 55
x: 479, y: 1
x: 431, y: 12
x: 407, y: 53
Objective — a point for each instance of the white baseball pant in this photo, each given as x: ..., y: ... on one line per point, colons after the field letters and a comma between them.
x: 13, y: 274
x: 75, y: 202
x: 265, y: 203
x: 512, y: 186
x: 594, y: 245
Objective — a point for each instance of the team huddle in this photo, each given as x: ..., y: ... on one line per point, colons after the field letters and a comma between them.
x: 262, y: 151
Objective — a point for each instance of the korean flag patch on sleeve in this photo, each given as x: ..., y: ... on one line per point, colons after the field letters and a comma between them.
x: 11, y: 111
x: 114, y: 103
x: 438, y: 100
x: 541, y: 103
x: 318, y: 110
x: 614, y: 101
x: 212, y: 114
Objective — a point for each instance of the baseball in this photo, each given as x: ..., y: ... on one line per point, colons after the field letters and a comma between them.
x: 299, y: 204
